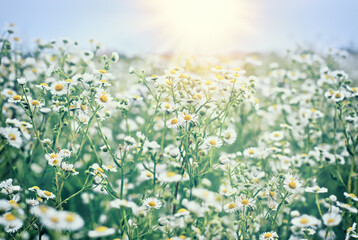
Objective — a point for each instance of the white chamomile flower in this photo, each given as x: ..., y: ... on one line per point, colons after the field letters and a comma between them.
x: 103, y: 98
x: 12, y: 135
x: 245, y: 202
x: 347, y: 207
x: 174, y: 123
x: 305, y: 221
x: 277, y: 136
x: 22, y: 81
x: 268, y: 236
x: 109, y: 168
x: 152, y: 203
x: 186, y: 117
x: 337, y: 96
x: 351, y: 196
x: 169, y: 177
x: 59, y: 88
x: 213, y: 141
x: 251, y: 152
x: 316, y: 189
x: 231, y: 207
x: 11, y: 222
x: 291, y: 184
x: 101, y: 231
x: 53, y: 159
x: 45, y: 194
x: 331, y: 219
x: 229, y: 136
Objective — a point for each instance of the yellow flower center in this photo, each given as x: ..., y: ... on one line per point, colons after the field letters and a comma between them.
x: 331, y: 220
x: 12, y: 137
x: 304, y: 220
x: 101, y: 229
x: 99, y: 169
x: 35, y: 103
x: 208, y: 82
x: 352, y: 195
x: 44, y: 84
x: 16, y: 97
x: 338, y: 95
x: 54, y: 219
x: 232, y: 205
x: 276, y: 134
x: 218, y: 67
x: 70, y: 217
x: 182, y: 75
x: 272, y: 193
x: 43, y: 209
x: 55, y: 162
x: 251, y: 151
x: 171, y: 174
x: 10, y: 217
x: 172, y: 71
x: 187, y: 117
x: 152, y: 204
x: 245, y: 202
x: 292, y: 185
x: 47, y: 193
x: 212, y: 142
x: 58, y: 87
x: 53, y: 155
x: 149, y: 175
x: 174, y: 121
x: 181, y: 210
x: 182, y: 237
x: 103, y: 98
x: 267, y: 235
x: 102, y: 71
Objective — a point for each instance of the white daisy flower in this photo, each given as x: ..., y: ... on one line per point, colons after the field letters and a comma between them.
x: 245, y: 202
x: 268, y: 236
x: 229, y: 136
x: 45, y: 194
x: 213, y: 141
x: 291, y: 183
x: 59, y: 88
x: 12, y: 135
x: 11, y: 222
x: 277, y: 136
x: 305, y: 221
x: 53, y: 159
x: 251, y: 152
x: 316, y: 189
x: 186, y: 117
x: 331, y: 219
x: 169, y: 177
x: 347, y: 207
x: 103, y: 98
x: 351, y: 196
x: 71, y: 221
x: 338, y: 96
x: 109, y: 168
x: 22, y: 81
x: 231, y: 207
x: 174, y: 123
x: 152, y: 203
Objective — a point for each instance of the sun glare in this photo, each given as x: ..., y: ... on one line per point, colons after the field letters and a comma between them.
x: 198, y: 26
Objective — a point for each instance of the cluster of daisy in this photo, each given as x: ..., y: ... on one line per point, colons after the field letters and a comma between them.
x: 188, y: 153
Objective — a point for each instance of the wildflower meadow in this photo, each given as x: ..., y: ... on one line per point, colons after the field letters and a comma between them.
x: 94, y: 144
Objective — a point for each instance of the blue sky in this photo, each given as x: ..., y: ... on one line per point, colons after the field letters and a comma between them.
x: 121, y: 25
